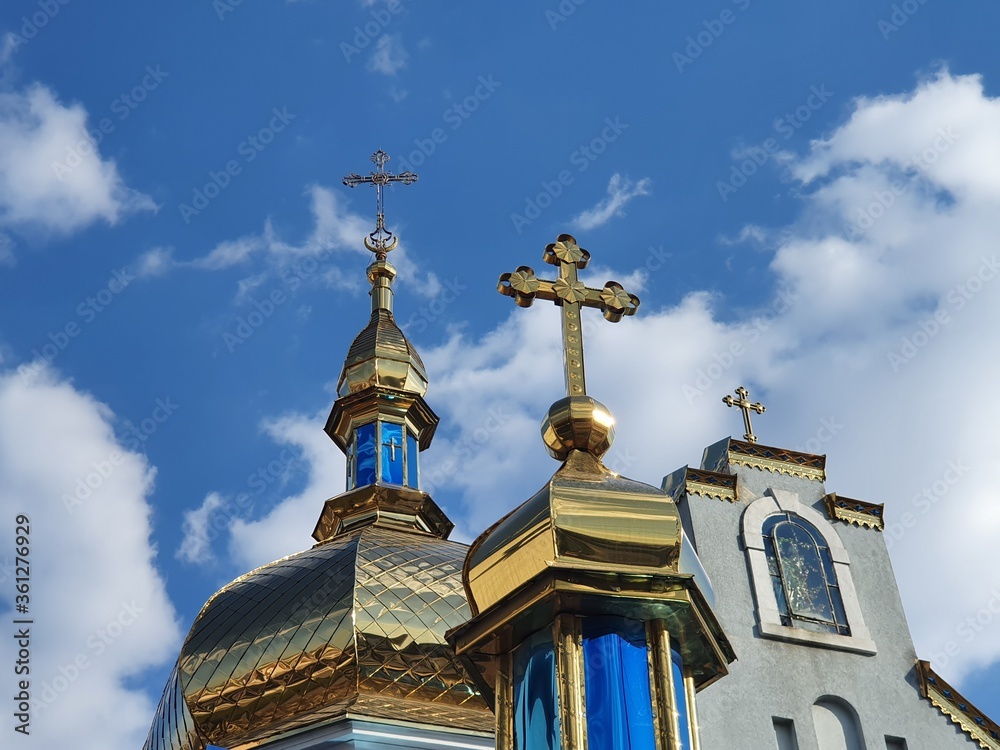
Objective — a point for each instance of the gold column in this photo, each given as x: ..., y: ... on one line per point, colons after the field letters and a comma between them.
x: 692, y: 710
x: 505, y: 702
x: 661, y: 687
x: 567, y: 632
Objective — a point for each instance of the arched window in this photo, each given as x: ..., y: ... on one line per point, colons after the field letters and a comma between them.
x: 837, y: 726
x: 803, y: 576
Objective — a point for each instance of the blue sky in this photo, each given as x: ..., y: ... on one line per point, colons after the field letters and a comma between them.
x: 804, y: 195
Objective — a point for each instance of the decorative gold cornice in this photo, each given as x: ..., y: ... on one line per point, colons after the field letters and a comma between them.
x: 710, y: 484
x: 858, y: 512
x: 952, y: 704
x: 775, y: 460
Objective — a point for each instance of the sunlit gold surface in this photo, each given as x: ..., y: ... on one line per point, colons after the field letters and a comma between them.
x: 355, y: 626
x: 389, y: 505
x: 584, y: 517
x: 592, y: 543
x: 382, y: 356
x: 578, y: 423
x: 570, y: 294
x: 571, y: 687
x: 858, y: 512
x: 973, y: 722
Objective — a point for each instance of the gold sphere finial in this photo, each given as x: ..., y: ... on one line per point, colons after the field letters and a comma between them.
x: 578, y: 423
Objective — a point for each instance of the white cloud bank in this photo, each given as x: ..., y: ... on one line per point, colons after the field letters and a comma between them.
x: 52, y: 176
x: 100, y: 613
x: 877, y: 350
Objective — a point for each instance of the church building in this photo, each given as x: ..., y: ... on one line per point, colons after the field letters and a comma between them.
x: 737, y: 606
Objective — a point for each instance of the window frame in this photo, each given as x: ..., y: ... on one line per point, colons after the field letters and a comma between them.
x: 768, y: 614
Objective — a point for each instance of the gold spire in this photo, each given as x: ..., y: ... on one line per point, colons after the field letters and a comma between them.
x: 743, y: 402
x: 576, y: 422
x: 380, y: 419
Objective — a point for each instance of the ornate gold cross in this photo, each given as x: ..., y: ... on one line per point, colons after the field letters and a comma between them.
x: 743, y: 402
x: 571, y: 294
x: 381, y: 240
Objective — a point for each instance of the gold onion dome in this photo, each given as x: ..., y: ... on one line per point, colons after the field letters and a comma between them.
x: 355, y: 626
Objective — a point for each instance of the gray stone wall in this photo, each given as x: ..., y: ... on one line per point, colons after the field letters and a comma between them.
x: 773, y: 679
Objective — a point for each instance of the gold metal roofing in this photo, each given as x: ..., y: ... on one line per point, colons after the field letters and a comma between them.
x: 353, y: 627
x: 381, y: 356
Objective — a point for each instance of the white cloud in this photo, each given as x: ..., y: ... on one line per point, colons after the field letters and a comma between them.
x: 202, y: 526
x: 288, y: 525
x: 389, y: 56
x: 101, y: 614
x: 336, y: 231
x: 52, y: 177
x: 621, y: 191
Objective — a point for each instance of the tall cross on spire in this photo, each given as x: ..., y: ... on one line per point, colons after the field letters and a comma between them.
x: 381, y: 240
x: 743, y: 402
x: 571, y: 294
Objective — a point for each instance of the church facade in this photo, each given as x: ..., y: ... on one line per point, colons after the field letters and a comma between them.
x: 737, y: 606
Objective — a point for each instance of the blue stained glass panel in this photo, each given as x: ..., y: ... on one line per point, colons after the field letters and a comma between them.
x: 680, y: 700
x: 616, y: 681
x: 392, y: 453
x: 536, y: 723
x: 412, y: 477
x: 366, y: 454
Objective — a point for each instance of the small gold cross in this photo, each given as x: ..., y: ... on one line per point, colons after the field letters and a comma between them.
x: 570, y: 294
x: 745, y: 406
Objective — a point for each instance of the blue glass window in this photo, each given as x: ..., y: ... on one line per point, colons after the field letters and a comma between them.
x: 412, y: 476
x: 365, y: 454
x: 616, y: 683
x: 392, y: 452
x: 680, y: 700
x: 803, y: 576
x: 536, y: 723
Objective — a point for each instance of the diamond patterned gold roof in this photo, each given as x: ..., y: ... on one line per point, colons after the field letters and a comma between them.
x: 354, y: 626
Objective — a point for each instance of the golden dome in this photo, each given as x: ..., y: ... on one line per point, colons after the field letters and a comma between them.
x: 355, y: 625
x: 381, y: 356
